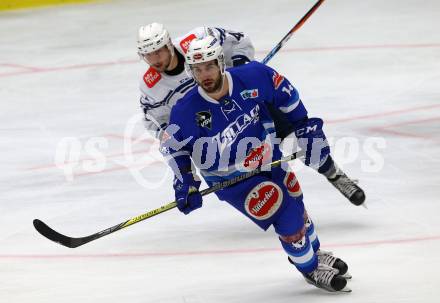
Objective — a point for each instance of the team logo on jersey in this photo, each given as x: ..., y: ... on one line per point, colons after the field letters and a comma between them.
x: 277, y: 79
x: 184, y: 44
x: 204, y: 119
x: 263, y: 200
x: 249, y: 94
x: 257, y: 156
x: 228, y: 106
x: 292, y: 185
x: 151, y: 77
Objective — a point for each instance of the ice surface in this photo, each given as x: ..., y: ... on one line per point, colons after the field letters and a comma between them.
x: 369, y: 68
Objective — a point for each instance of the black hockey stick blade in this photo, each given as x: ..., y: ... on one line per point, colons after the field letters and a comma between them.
x: 55, y: 236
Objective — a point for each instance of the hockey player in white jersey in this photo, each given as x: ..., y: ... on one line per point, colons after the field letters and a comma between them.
x: 166, y: 81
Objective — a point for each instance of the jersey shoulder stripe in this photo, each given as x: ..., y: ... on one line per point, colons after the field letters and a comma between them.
x: 180, y: 89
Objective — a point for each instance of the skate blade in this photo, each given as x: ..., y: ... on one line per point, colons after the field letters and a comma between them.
x: 345, y: 290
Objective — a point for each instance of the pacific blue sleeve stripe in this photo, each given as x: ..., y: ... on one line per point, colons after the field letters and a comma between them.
x: 268, y: 125
x: 218, y: 178
x: 288, y: 109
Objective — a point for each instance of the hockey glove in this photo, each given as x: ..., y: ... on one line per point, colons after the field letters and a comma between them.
x: 311, y: 139
x: 187, y: 193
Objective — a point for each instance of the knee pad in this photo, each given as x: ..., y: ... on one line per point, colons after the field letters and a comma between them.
x: 295, y: 237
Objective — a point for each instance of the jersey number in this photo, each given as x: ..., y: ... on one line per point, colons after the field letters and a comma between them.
x: 288, y: 90
x: 236, y: 35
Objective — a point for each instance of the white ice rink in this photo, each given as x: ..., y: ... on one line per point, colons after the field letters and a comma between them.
x: 370, y: 69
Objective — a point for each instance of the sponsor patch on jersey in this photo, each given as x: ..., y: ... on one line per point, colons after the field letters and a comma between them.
x: 257, y: 156
x: 204, y: 119
x: 277, y: 79
x: 184, y: 44
x: 151, y: 77
x: 292, y: 185
x: 263, y: 200
x: 249, y: 94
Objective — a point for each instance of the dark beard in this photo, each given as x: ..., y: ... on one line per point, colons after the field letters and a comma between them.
x: 217, y: 86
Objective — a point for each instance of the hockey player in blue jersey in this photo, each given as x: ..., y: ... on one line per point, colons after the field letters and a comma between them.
x: 165, y: 82
x: 223, y: 126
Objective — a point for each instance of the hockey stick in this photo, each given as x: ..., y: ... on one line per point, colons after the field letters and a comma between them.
x: 71, y: 242
x: 290, y: 33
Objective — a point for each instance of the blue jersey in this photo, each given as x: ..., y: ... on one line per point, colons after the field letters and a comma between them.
x: 224, y: 136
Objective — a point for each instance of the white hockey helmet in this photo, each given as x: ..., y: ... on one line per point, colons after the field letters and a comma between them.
x: 204, y: 50
x: 152, y: 37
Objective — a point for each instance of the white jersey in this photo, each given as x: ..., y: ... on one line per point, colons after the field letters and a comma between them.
x: 159, y: 91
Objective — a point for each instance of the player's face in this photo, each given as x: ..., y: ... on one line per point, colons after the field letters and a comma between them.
x: 159, y: 59
x: 208, y: 75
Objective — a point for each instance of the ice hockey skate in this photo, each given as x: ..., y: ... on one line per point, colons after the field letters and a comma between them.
x: 327, y: 278
x: 327, y: 258
x: 348, y: 188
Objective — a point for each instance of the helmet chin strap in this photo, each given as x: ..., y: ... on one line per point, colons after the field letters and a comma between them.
x: 223, y: 76
x: 223, y: 83
x: 172, y: 54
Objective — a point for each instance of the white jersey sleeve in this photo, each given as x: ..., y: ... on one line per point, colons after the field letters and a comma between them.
x: 237, y: 46
x: 159, y: 93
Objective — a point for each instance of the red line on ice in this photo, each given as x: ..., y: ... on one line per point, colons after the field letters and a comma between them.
x: 207, y: 252
x: 398, y: 132
x: 383, y: 114
x: 33, y: 70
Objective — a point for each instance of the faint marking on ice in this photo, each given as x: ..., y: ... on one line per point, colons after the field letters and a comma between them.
x: 212, y: 252
x: 26, y: 70
x: 412, y: 132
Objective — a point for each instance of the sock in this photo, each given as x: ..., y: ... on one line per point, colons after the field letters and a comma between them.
x: 301, y: 254
x: 310, y: 231
x: 329, y: 168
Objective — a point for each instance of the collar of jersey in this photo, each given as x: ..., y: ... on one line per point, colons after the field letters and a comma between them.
x: 208, y: 98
